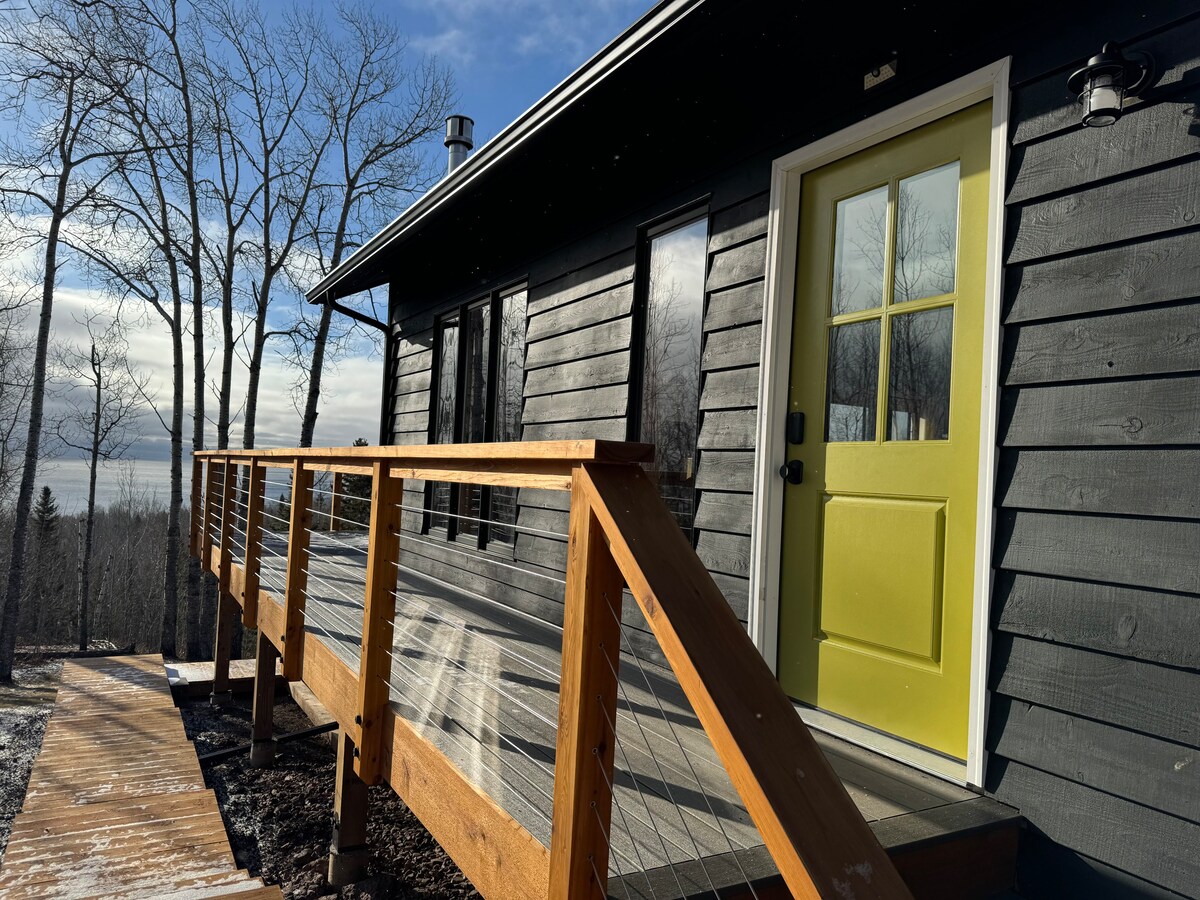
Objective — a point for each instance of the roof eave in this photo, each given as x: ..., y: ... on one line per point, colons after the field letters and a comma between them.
x: 623, y: 48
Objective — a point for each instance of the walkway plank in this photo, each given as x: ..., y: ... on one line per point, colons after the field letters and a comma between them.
x: 116, y: 804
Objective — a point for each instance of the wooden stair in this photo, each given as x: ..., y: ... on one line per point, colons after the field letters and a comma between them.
x: 116, y: 804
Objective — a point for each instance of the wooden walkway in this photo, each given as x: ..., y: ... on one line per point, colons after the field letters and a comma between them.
x: 116, y: 804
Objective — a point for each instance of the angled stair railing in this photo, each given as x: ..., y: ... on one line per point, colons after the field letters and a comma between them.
x: 620, y: 535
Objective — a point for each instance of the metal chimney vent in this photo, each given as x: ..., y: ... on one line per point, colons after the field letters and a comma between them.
x: 460, y: 131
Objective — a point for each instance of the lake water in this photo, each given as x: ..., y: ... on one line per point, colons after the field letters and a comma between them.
x: 68, y: 480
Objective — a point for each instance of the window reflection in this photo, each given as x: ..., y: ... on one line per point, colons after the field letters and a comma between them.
x: 919, y: 376
x: 510, y: 384
x: 671, y: 362
x: 853, y: 382
x: 474, y: 428
x: 859, y: 241
x: 926, y: 234
x: 443, y: 422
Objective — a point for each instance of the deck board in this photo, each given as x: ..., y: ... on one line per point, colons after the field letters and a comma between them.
x: 116, y: 804
x: 480, y: 681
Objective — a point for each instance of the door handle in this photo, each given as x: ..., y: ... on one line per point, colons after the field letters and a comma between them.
x: 792, y: 471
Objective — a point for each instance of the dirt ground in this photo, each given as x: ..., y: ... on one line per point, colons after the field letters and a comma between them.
x: 24, y: 709
x: 279, y: 820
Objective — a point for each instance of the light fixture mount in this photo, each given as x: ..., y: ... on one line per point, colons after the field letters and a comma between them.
x: 1108, y: 78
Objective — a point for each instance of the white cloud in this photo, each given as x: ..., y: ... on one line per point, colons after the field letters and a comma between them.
x: 470, y: 32
x: 350, y: 392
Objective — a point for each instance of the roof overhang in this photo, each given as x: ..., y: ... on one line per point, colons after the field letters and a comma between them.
x: 361, y: 270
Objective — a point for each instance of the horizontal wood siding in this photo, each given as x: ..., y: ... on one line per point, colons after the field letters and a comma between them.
x: 737, y: 247
x: 577, y: 371
x: 1094, y: 729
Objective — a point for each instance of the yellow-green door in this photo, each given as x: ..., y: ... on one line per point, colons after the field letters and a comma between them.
x: 879, y: 537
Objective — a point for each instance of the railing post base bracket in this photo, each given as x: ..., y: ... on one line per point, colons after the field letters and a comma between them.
x: 220, y: 698
x: 347, y: 866
x: 262, y: 753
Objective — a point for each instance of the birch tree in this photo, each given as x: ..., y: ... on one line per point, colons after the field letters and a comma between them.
x: 101, y: 419
x: 55, y: 162
x: 383, y: 108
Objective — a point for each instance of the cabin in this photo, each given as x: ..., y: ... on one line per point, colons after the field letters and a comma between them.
x: 904, y: 298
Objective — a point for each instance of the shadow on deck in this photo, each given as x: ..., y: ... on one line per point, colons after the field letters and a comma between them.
x: 480, y: 681
x: 559, y: 762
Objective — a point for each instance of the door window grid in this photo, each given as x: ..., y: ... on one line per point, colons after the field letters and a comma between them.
x: 902, y: 348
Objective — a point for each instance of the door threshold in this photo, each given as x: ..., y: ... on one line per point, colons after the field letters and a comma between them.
x: 920, y: 758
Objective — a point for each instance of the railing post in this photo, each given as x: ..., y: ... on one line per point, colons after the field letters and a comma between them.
x: 375, y: 660
x: 226, y: 537
x: 348, y: 852
x: 254, y: 518
x: 197, y: 517
x: 262, y: 727
x: 296, y: 585
x: 206, y: 541
x: 226, y: 604
x: 227, y: 610
x: 586, y: 704
x: 335, y: 503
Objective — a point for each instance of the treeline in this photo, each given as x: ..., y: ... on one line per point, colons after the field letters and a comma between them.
x: 195, y: 166
x: 126, y: 607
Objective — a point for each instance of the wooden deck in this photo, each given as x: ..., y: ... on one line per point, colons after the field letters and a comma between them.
x: 480, y: 681
x: 116, y: 804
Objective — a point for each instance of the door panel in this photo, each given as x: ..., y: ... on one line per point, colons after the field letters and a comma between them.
x: 879, y: 538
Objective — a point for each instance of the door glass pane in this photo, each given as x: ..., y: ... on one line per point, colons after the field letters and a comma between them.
x: 671, y: 362
x: 443, y: 422
x: 926, y: 234
x: 475, y: 378
x: 853, y: 382
x: 919, y: 376
x: 858, y: 252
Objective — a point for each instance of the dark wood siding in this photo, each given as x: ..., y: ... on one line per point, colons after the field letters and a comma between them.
x: 577, y: 372
x: 1094, y: 730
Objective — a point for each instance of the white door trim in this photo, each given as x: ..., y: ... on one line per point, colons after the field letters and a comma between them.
x: 782, y: 236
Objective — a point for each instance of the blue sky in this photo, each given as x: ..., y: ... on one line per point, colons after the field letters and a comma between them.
x: 505, y: 55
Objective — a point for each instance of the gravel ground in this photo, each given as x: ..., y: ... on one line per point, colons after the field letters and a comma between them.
x: 279, y: 820
x: 24, y: 709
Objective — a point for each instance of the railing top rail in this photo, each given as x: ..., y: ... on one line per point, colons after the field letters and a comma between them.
x: 543, y: 451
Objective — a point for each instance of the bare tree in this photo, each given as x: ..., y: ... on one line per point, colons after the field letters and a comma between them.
x: 382, y: 111
x: 271, y: 72
x: 14, y: 403
x: 54, y: 165
x: 100, y: 419
x: 231, y: 192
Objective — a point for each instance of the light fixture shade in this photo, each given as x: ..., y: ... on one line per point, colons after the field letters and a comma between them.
x: 1104, y: 83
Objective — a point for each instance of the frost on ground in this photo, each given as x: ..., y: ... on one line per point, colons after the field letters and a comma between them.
x: 279, y: 820
x: 24, y: 708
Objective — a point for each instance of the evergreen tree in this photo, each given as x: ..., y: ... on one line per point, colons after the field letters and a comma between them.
x: 45, y: 521
x: 357, y: 512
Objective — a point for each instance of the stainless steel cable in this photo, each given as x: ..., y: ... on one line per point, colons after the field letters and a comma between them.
x: 461, y: 739
x: 704, y: 793
x: 491, y: 561
x: 477, y: 519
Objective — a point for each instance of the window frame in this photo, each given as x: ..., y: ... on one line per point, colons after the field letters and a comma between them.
x: 493, y: 301
x: 688, y: 214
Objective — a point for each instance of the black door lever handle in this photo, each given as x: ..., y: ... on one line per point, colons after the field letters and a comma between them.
x: 792, y: 471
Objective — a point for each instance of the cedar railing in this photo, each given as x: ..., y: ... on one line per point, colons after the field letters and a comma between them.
x: 620, y: 535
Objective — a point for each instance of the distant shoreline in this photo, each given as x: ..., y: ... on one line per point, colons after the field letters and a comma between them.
x: 68, y: 481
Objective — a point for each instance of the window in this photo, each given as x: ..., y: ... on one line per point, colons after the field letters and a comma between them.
x: 480, y: 360
x: 670, y: 330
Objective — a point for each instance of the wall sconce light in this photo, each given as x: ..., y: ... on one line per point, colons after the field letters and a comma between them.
x: 1107, y: 79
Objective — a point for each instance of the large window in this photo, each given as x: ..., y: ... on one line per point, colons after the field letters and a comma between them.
x: 479, y: 364
x: 670, y: 330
